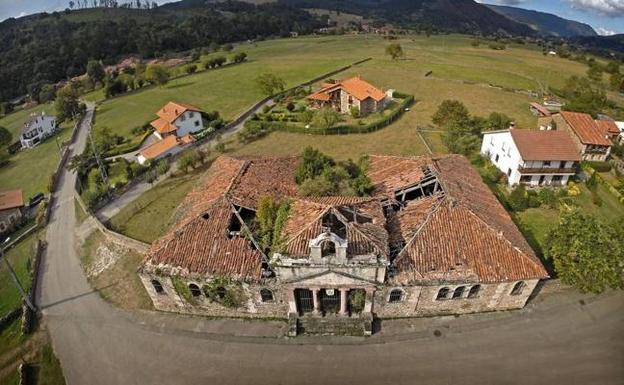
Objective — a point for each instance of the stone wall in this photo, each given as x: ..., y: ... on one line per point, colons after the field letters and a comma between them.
x: 420, y: 301
x: 252, y: 305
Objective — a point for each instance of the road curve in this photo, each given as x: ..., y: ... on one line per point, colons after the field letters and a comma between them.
x: 569, y: 343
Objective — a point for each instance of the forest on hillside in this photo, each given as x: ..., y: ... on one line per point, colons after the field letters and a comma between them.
x: 46, y: 48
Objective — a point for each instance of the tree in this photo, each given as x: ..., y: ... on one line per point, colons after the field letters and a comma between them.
x: 239, y: 57
x: 451, y: 112
x: 95, y: 71
x: 66, y: 103
x: 325, y: 118
x: 269, y: 84
x: 191, y: 69
x: 395, y: 51
x: 355, y: 112
x: 594, y: 73
x: 497, y: 121
x: 47, y: 93
x: 188, y: 161
x: 586, y: 253
x: 5, y: 136
x: 265, y: 220
x: 584, y: 96
x: 157, y: 74
x: 518, y: 199
x: 312, y: 164
x: 228, y: 47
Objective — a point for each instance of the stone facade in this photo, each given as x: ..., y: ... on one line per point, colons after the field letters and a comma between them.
x: 9, y: 219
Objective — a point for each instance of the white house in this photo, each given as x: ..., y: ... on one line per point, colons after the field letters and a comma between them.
x: 169, y: 146
x: 37, y: 128
x: 177, y: 119
x: 532, y: 157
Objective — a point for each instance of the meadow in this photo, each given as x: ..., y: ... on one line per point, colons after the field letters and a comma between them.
x: 482, y: 78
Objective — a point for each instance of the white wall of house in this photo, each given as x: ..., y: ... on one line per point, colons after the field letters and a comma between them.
x: 176, y: 149
x: 500, y: 148
x: 188, y: 122
x: 39, y: 128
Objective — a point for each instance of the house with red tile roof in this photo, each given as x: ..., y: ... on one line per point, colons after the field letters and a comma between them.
x: 532, y: 157
x: 11, y: 206
x: 164, y: 148
x: 177, y: 119
x: 431, y: 239
x: 351, y: 93
x: 590, y: 137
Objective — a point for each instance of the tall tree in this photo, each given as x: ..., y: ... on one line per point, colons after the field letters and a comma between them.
x: 269, y: 83
x: 157, y: 74
x: 586, y: 253
x: 66, y: 103
x: 395, y: 51
x: 95, y: 71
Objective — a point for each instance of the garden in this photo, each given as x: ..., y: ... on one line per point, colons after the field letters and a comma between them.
x: 292, y: 112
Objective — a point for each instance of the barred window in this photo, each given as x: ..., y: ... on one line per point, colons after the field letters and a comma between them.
x: 395, y: 295
x: 220, y: 292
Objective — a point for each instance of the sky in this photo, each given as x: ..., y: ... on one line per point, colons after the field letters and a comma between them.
x: 606, y: 16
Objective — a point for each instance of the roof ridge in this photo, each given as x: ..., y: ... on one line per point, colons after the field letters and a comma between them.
x: 312, y: 222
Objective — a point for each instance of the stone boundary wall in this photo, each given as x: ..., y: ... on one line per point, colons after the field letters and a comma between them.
x: 28, y: 315
x: 112, y: 236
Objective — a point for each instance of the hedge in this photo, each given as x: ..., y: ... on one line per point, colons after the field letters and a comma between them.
x: 263, y: 126
x: 599, y: 166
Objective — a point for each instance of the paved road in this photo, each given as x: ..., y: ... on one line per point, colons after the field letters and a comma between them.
x: 555, y: 341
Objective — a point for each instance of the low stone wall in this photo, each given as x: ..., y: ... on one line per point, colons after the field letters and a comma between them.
x: 29, y: 317
x: 8, y: 318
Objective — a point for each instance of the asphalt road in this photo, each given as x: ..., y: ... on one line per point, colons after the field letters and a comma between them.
x: 566, y: 343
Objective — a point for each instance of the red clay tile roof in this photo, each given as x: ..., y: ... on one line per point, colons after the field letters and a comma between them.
x: 156, y: 149
x: 541, y: 109
x: 608, y: 127
x: 163, y: 126
x: 468, y: 235
x: 586, y: 128
x: 545, y: 145
x: 265, y: 176
x: 460, y: 233
x: 172, y: 110
x: 11, y: 199
x: 392, y: 173
x: 355, y: 86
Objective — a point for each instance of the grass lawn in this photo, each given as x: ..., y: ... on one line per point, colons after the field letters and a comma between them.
x: 48, y: 369
x: 118, y: 283
x: 150, y: 215
x: 19, y: 257
x: 30, y: 169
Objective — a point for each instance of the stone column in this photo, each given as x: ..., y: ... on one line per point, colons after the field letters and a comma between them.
x: 315, y: 299
x: 368, y: 303
x: 292, y: 303
x: 343, y: 301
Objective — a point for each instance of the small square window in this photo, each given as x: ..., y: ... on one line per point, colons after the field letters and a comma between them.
x: 197, y: 123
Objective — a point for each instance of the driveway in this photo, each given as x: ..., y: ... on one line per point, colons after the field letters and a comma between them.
x: 557, y: 340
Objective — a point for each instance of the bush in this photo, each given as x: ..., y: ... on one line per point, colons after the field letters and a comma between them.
x: 355, y: 112
x: 290, y: 106
x: 518, y: 199
x: 600, y: 166
x: 548, y: 198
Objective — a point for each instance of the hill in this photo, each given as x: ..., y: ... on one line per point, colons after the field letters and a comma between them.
x: 545, y: 23
x: 463, y: 16
x: 609, y: 46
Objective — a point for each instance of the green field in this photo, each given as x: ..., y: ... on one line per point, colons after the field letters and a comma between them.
x: 30, y: 169
x: 19, y: 257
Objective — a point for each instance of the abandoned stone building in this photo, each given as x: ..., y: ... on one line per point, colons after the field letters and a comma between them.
x: 431, y: 239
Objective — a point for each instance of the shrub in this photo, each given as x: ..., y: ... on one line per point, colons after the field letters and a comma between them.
x: 290, y: 106
x: 596, y: 199
x: 600, y: 166
x: 518, y: 199
x: 547, y: 197
x: 266, y: 108
x: 355, y: 112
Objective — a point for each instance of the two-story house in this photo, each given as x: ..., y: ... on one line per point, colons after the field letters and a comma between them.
x: 177, y: 119
x: 37, y: 128
x: 591, y: 140
x: 174, y: 126
x: 532, y: 157
x: 351, y: 93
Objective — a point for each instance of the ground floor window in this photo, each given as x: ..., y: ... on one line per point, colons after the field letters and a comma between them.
x: 459, y: 292
x: 474, y: 291
x: 266, y: 295
x: 395, y: 295
x: 157, y: 286
x: 442, y: 293
x: 518, y: 288
x: 195, y: 291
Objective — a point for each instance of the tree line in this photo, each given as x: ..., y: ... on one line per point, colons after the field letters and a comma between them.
x: 39, y: 51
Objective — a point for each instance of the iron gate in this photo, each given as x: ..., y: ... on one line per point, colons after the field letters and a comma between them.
x: 330, y: 301
x: 305, y: 303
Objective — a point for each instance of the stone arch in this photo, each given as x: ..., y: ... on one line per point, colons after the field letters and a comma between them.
x: 459, y: 292
x: 518, y: 288
x: 328, y: 247
x: 442, y: 294
x: 474, y: 291
x: 195, y: 290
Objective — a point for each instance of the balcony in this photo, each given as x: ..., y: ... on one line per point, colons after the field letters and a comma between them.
x: 546, y: 170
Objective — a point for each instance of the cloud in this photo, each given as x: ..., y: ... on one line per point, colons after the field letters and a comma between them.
x: 610, y: 8
x: 605, y: 32
x: 505, y: 2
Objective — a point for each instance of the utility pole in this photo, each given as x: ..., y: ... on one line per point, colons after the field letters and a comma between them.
x: 98, y: 160
x: 15, y: 279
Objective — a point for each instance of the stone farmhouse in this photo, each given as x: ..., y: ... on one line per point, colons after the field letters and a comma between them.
x: 351, y: 93
x: 591, y: 138
x: 532, y: 157
x: 432, y: 239
x: 174, y: 126
x: 11, y: 207
x: 36, y: 129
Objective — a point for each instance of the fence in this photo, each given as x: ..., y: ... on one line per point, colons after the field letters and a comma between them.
x: 28, y: 315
